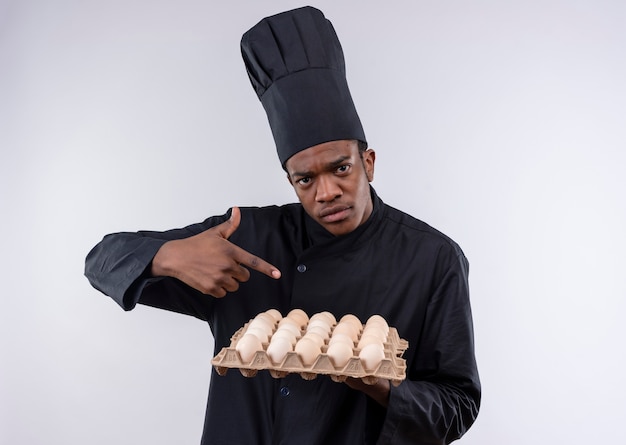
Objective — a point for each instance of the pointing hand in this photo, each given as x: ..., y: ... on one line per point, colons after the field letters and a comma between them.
x: 209, y: 262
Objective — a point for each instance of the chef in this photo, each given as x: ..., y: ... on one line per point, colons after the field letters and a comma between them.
x: 340, y: 249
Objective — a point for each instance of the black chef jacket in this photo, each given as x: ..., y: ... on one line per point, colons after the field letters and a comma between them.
x: 393, y: 265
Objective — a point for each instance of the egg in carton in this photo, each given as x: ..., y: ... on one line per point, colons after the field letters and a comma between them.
x: 310, y: 347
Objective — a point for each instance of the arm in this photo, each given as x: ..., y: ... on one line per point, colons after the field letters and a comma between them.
x: 440, y: 398
x: 123, y: 264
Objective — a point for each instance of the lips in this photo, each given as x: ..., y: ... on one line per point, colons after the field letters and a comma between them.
x: 334, y: 213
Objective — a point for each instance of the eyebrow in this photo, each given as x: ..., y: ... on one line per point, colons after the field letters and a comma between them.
x: 330, y: 166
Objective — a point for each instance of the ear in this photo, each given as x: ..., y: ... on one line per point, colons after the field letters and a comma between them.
x: 369, y: 158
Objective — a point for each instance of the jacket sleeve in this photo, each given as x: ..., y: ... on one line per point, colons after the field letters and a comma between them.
x: 118, y: 266
x: 440, y: 398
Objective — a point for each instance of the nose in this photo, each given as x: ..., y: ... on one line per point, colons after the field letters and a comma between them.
x: 327, y: 189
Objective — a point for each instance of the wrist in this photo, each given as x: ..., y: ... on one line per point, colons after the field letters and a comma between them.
x: 158, y: 266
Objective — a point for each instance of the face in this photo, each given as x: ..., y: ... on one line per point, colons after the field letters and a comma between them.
x: 332, y: 183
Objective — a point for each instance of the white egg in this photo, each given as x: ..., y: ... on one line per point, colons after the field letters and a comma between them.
x: 330, y: 318
x: 348, y: 329
x: 315, y: 337
x: 278, y: 349
x: 259, y: 332
x: 318, y: 330
x: 287, y: 320
x: 375, y: 331
x: 371, y: 356
x: 286, y: 334
x: 339, y: 354
x: 300, y: 316
x: 353, y: 319
x: 341, y: 338
x: 308, y: 350
x: 265, y: 316
x: 368, y: 340
x: 378, y: 320
x: 263, y: 324
x: 289, y: 324
x: 247, y: 346
x: 275, y: 314
x: 319, y: 323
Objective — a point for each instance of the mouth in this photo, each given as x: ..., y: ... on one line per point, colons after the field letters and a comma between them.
x: 334, y: 213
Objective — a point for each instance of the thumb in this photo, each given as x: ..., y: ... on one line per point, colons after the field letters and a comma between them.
x: 227, y: 228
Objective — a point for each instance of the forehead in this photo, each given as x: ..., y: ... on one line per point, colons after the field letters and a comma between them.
x: 321, y: 155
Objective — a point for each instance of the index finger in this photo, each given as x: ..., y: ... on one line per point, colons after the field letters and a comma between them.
x: 251, y: 261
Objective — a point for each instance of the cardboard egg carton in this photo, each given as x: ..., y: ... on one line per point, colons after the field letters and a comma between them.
x: 392, y: 367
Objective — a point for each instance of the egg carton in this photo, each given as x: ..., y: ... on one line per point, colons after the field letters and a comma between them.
x: 392, y: 367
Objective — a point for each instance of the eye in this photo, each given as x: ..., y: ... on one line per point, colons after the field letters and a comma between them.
x: 343, y: 169
x: 304, y: 181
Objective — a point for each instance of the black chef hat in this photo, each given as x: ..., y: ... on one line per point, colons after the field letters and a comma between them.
x: 296, y: 66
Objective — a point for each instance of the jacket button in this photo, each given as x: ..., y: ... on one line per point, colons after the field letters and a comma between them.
x: 284, y: 391
x: 301, y: 268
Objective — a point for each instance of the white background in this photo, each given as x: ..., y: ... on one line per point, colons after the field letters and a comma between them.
x: 501, y: 123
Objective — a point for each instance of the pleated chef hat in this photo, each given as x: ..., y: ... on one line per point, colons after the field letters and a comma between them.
x: 296, y: 66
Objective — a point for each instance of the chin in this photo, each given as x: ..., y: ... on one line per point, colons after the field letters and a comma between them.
x: 339, y: 229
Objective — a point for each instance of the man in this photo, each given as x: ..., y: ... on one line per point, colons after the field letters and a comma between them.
x: 340, y: 249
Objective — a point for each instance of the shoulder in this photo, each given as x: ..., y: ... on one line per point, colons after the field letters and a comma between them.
x: 271, y: 221
x: 286, y: 212
x: 411, y: 229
